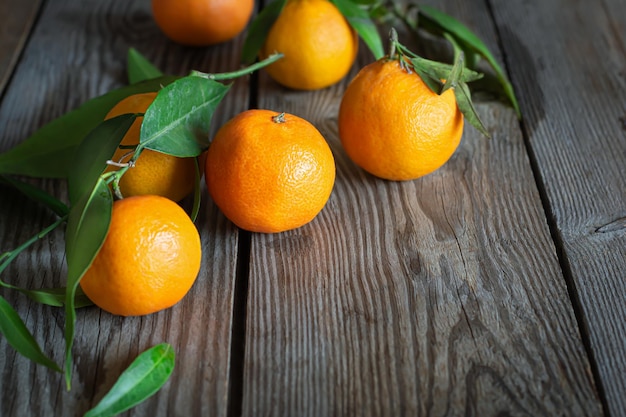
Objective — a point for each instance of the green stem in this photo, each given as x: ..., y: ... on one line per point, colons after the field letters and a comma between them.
x: 7, y: 257
x: 245, y: 71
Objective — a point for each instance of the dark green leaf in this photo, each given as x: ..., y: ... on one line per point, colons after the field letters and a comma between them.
x: 360, y: 20
x: 18, y: 336
x: 433, y: 82
x: 178, y: 120
x: 139, y: 68
x: 55, y: 297
x: 441, y: 71
x: 259, y: 28
x: 93, y: 152
x: 464, y: 101
x: 87, y: 226
x: 49, y: 152
x: 453, y: 78
x: 433, y: 19
x: 145, y: 376
x: 36, y: 194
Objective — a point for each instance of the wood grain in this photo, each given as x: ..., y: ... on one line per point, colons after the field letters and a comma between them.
x: 19, y: 17
x: 573, y: 101
x: 78, y: 51
x: 436, y: 297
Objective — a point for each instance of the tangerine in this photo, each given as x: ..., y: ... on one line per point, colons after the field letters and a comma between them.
x: 149, y: 260
x: 202, y: 22
x: 318, y: 44
x: 393, y: 126
x: 269, y: 172
x: 154, y: 172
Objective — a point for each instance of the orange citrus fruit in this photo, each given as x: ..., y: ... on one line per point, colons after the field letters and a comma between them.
x: 393, y: 126
x: 269, y: 172
x: 154, y: 172
x: 201, y: 22
x: 318, y: 44
x: 149, y: 260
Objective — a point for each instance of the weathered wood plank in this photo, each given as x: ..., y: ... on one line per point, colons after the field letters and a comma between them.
x: 571, y: 76
x: 19, y: 17
x: 440, y: 296
x: 78, y: 51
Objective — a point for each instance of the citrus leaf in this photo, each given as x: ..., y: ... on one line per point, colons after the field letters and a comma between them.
x: 144, y: 377
x: 55, y: 297
x: 49, y: 152
x: 178, y: 120
x: 453, y: 78
x: 434, y: 20
x: 18, y: 336
x: 360, y: 21
x: 36, y: 194
x: 432, y: 81
x: 441, y: 71
x: 259, y: 28
x: 87, y: 226
x: 91, y: 155
x: 464, y: 101
x: 139, y: 68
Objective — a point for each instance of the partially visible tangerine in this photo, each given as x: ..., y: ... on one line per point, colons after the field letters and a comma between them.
x: 202, y: 22
x: 154, y: 172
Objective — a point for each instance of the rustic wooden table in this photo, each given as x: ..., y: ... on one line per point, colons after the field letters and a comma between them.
x: 494, y: 286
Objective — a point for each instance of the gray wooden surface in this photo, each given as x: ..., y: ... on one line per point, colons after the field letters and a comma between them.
x: 491, y: 287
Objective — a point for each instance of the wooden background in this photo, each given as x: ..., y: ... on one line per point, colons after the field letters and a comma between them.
x: 492, y: 287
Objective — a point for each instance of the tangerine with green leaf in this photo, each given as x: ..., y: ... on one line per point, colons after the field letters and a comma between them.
x: 402, y: 116
x: 149, y: 260
x: 269, y: 172
x: 319, y: 45
x: 153, y: 172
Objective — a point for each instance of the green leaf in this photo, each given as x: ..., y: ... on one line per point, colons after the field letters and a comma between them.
x: 87, y: 226
x: 139, y: 68
x: 18, y: 336
x: 360, y: 20
x: 36, y: 194
x: 55, y: 297
x: 178, y: 120
x: 434, y: 20
x: 49, y: 152
x: 456, y: 71
x: 144, y: 377
x: 464, y: 101
x: 93, y: 152
x: 258, y: 30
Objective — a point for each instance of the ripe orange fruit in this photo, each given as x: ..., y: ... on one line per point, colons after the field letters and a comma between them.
x: 202, y: 22
x: 393, y: 126
x: 269, y: 172
x: 154, y: 172
x: 149, y: 260
x: 318, y: 44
